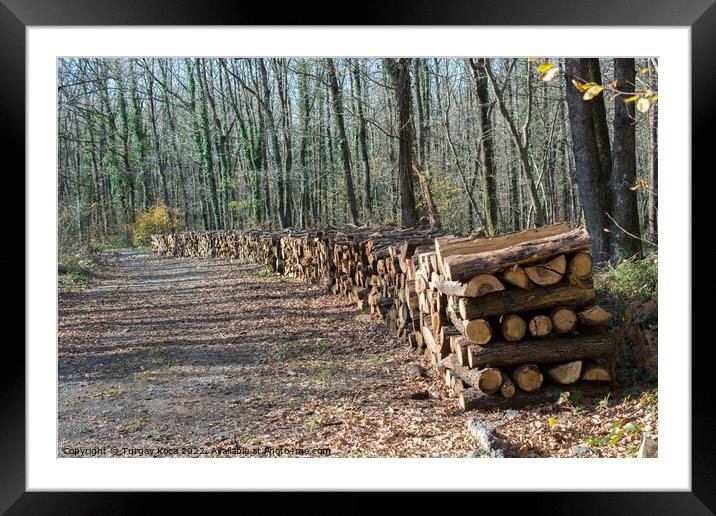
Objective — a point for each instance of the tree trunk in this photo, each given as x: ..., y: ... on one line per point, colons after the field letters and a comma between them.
x: 599, y: 122
x: 654, y: 173
x: 626, y: 238
x: 206, y: 152
x: 275, y: 146
x: 592, y: 192
x: 400, y: 73
x: 520, y: 139
x: 367, y: 200
x: 488, y: 169
x: 342, y: 139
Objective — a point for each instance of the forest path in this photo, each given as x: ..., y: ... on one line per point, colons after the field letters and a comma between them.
x: 197, y: 355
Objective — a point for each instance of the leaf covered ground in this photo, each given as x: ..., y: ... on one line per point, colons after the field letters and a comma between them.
x: 195, y: 357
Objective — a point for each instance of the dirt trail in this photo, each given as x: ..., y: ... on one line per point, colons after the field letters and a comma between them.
x: 199, y: 356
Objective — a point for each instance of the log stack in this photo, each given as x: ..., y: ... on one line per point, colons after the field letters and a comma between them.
x: 523, y: 306
x: 507, y: 319
x: 371, y: 266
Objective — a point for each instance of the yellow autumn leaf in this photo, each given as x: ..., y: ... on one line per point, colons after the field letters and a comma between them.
x: 593, y: 92
x: 544, y: 67
x: 644, y: 184
x: 655, y: 98
x: 631, y: 99
x: 643, y: 105
x: 581, y: 86
x: 635, y: 187
x: 549, y: 74
x: 532, y: 60
x: 645, y: 70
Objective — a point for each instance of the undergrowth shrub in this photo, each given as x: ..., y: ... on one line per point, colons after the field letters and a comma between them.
x: 629, y: 283
x: 74, y: 271
x: 158, y: 219
x: 629, y: 290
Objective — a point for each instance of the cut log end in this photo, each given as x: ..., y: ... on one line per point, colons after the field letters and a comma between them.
x: 514, y: 327
x: 517, y: 277
x: 490, y: 380
x: 565, y: 374
x: 540, y: 326
x: 594, y: 372
x: 507, y: 389
x: 595, y: 316
x: 563, y: 319
x: 478, y: 331
x: 483, y: 284
x: 528, y: 377
x: 580, y: 266
x: 548, y: 273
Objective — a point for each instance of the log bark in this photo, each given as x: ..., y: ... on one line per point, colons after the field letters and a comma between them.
x: 528, y: 377
x: 565, y: 374
x: 462, y: 267
x: 451, y: 245
x: 545, y: 350
x: 487, y: 380
x: 479, y: 285
x: 518, y: 300
x: 473, y: 399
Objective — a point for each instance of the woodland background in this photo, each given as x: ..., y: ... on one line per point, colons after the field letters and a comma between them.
x: 156, y: 144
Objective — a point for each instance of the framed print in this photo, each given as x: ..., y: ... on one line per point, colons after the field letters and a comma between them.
x: 417, y: 235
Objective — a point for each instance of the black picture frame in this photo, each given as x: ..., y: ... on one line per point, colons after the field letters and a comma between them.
x: 699, y: 15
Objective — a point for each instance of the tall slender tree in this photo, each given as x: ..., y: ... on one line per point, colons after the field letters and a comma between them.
x: 626, y: 238
x: 592, y: 192
x: 399, y: 71
x: 342, y: 139
x: 490, y: 201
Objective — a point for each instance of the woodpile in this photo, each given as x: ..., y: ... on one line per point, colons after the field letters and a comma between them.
x: 507, y: 319
x: 523, y: 308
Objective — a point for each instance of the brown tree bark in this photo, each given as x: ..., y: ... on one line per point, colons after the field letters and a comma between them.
x: 625, y: 238
x: 400, y: 73
x: 488, y: 168
x: 654, y: 170
x: 367, y: 198
x: 599, y: 121
x: 275, y: 147
x: 342, y: 139
x: 592, y: 192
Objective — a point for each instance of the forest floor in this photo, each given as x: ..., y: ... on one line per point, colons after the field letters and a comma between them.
x: 182, y: 357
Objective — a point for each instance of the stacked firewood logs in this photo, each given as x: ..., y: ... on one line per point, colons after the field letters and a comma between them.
x: 368, y: 265
x: 511, y: 319
x: 506, y: 319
